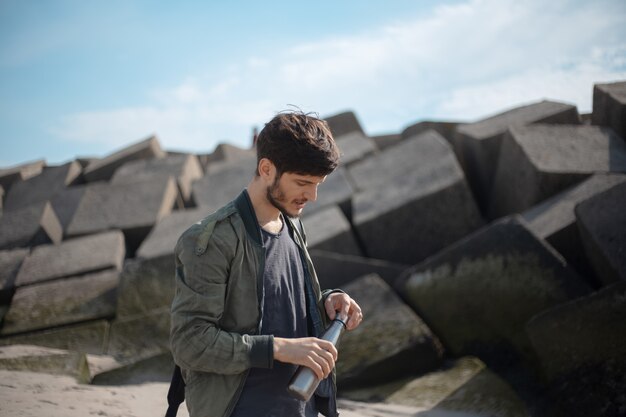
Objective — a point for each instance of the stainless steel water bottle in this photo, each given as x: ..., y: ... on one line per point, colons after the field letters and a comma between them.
x: 305, y: 382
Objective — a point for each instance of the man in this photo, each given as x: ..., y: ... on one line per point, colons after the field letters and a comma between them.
x: 248, y: 308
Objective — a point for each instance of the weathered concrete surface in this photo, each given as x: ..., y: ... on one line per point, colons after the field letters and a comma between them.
x: 602, y: 224
x: 66, y: 301
x: 414, y: 200
x: 224, y: 154
x: 29, y: 226
x: 185, y: 168
x: 354, y: 146
x: 135, y: 205
x: 163, y: 237
x: 65, y: 204
x: 337, y: 189
x: 445, y: 129
x: 42, y: 187
x: 73, y: 257
x: 10, y: 263
x: 141, y: 336
x: 479, y: 142
x: 609, y: 106
x: 465, y: 386
x: 538, y: 161
x: 336, y: 269
x: 146, y: 284
x: 582, y: 349
x: 45, y: 360
x: 385, y: 141
x: 391, y: 342
x: 103, y: 169
x: 343, y: 123
x: 20, y: 172
x: 222, y: 183
x: 328, y: 229
x: 554, y: 219
x: 1, y: 199
x: 478, y: 294
x: 91, y: 337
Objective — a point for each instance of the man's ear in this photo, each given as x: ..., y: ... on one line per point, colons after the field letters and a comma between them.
x: 267, y: 170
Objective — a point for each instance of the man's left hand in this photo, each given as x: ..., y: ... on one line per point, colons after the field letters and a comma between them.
x: 341, y: 303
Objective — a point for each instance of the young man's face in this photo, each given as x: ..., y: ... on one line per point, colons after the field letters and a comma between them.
x: 290, y: 192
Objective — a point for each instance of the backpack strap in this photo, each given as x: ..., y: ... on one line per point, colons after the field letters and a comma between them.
x: 176, y: 393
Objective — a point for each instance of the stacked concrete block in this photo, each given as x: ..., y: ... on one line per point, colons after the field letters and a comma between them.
x: 10, y: 263
x: 538, y: 161
x: 45, y: 360
x: 479, y: 143
x: 445, y: 129
x: 336, y: 269
x: 386, y: 140
x: 103, y: 169
x: 335, y: 190
x: 355, y: 146
x: 30, y: 226
x: 581, y: 348
x: 225, y: 154
x: 609, y: 106
x: 185, y: 168
x: 343, y: 123
x: 21, y: 172
x: 328, y: 229
x: 140, y: 336
x: 65, y: 204
x: 66, y: 301
x: 412, y: 201
x: 42, y: 187
x: 73, y: 257
x: 391, y: 342
x: 1, y: 199
x: 478, y: 294
x: 555, y: 221
x: 602, y: 224
x: 222, y: 183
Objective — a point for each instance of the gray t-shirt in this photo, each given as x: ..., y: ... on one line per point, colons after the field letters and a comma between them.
x: 284, y: 315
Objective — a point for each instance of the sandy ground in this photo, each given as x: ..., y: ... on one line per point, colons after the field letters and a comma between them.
x: 28, y: 394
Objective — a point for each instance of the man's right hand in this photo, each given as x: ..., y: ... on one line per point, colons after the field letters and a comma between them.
x: 317, y: 354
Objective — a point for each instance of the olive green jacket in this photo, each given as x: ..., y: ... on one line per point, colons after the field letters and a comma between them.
x: 216, y: 311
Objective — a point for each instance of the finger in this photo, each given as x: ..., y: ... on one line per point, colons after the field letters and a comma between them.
x: 316, y: 366
x: 330, y: 308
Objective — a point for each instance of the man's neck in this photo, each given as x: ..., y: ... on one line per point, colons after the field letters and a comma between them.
x: 268, y: 216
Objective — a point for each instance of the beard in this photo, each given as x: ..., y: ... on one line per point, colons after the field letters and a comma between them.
x: 276, y: 197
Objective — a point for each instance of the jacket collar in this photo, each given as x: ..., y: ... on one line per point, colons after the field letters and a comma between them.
x: 248, y: 216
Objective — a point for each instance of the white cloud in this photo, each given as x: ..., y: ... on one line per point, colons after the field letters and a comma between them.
x: 460, y: 62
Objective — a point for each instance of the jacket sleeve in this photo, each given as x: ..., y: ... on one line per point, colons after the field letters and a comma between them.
x: 197, y: 341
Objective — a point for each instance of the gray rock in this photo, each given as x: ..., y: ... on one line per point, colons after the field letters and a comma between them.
x: 185, y: 168
x: 445, y: 129
x: 222, y: 183
x: 328, y: 229
x: 581, y: 346
x: 29, y: 226
x: 141, y: 336
x: 163, y: 237
x: 42, y: 187
x: 343, y: 123
x: 554, y: 219
x: 336, y: 190
x: 224, y: 154
x: 391, y: 342
x: 20, y: 172
x: 479, y: 142
x: 156, y: 368
x: 336, y: 269
x: 538, y: 161
x: 602, y: 224
x: 414, y: 202
x: 146, y: 284
x: 492, y: 282
x: 65, y: 204
x: 385, y: 141
x: 103, y: 169
x: 10, y: 263
x: 90, y: 337
x: 66, y: 301
x: 73, y: 257
x: 354, y: 147
x: 44, y: 360
x: 609, y: 106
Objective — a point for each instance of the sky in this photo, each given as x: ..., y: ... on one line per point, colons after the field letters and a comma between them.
x: 83, y: 78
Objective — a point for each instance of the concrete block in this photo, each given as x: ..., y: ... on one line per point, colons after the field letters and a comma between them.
x: 609, y: 106
x: 337, y: 269
x: 73, y: 257
x: 185, y: 168
x: 354, y: 147
x: 163, y: 237
x: 343, y: 123
x: 140, y: 336
x: 554, y: 219
x: 65, y: 204
x: 66, y: 301
x: 90, y: 337
x: 30, y: 226
x: 462, y: 388
x: 446, y: 129
x: 10, y: 263
x: 391, y: 342
x: 224, y: 154
x: 336, y: 190
x: 103, y: 169
x: 156, y: 368
x: 602, y: 224
x: 479, y: 142
x: 385, y: 141
x: 45, y: 360
x: 414, y: 200
x: 478, y: 294
x: 20, y: 172
x: 1, y: 199
x: 328, y: 229
x: 222, y: 183
x: 146, y: 284
x: 538, y: 161
x: 42, y: 187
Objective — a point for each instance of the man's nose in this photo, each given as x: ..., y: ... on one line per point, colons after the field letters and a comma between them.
x: 311, y: 193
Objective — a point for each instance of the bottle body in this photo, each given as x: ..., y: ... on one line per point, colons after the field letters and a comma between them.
x: 305, y: 382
